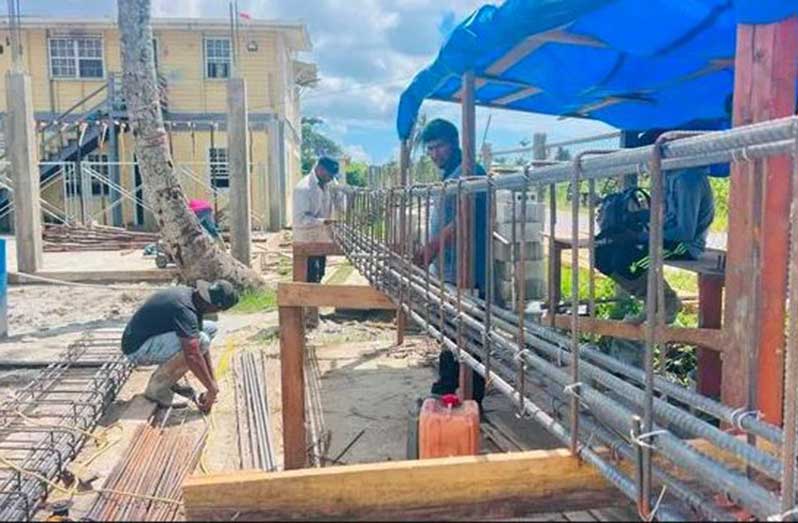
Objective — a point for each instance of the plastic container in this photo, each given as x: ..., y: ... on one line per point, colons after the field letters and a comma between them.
x: 448, y: 427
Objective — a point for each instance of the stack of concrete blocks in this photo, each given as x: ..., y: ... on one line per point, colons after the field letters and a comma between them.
x: 531, y: 241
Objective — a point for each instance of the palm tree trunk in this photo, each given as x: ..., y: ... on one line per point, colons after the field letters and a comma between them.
x: 196, y: 255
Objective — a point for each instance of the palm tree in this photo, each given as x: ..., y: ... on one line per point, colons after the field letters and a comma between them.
x: 197, y: 256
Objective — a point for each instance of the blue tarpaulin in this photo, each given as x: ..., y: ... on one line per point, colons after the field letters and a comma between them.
x: 634, y: 64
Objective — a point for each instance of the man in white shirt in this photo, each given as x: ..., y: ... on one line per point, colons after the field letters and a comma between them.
x: 313, y: 206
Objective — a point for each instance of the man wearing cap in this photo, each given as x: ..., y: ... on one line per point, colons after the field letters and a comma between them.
x: 168, y: 330
x: 313, y: 205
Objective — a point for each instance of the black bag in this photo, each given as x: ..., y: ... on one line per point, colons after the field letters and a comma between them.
x: 623, y: 213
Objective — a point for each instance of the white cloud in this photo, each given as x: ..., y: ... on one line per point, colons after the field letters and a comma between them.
x: 181, y: 8
x: 357, y: 153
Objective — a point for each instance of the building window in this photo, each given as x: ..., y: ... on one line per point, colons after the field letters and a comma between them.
x: 76, y: 58
x: 217, y: 57
x: 220, y: 175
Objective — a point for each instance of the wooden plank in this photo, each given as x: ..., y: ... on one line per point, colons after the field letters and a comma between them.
x: 316, y: 249
x: 299, y: 267
x: 510, y: 484
x: 534, y: 42
x: 516, y: 96
x: 709, y: 338
x: 135, y: 276
x: 292, y: 375
x: 341, y: 296
x: 766, y: 64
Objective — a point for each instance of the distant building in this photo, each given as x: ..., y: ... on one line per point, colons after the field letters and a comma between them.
x: 88, y: 165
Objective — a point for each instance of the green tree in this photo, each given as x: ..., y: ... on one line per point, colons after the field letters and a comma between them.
x: 356, y: 174
x: 315, y: 143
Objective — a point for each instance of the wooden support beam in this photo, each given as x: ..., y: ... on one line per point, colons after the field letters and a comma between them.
x: 708, y: 338
x: 766, y: 65
x: 516, y: 96
x: 316, y: 249
x: 710, y: 315
x: 292, y: 380
x: 341, y: 296
x: 468, y: 140
x: 509, y: 485
x: 404, y: 181
x: 534, y: 42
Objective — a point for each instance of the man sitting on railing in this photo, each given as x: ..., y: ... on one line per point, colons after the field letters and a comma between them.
x: 689, y: 211
x: 442, y: 143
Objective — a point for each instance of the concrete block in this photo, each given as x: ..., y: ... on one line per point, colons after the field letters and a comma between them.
x: 532, y: 231
x: 533, y: 250
x: 535, y: 213
x: 532, y: 269
x: 535, y: 289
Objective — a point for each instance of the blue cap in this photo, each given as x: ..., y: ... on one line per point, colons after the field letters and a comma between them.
x: 330, y: 165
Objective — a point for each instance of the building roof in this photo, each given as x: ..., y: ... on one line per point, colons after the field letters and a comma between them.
x: 666, y: 65
x: 295, y: 32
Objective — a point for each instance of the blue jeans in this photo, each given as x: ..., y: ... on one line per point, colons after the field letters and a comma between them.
x: 161, y: 348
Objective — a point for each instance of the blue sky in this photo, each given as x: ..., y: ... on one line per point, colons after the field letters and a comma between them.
x: 367, y: 52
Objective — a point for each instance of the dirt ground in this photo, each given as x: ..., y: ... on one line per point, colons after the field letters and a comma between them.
x: 367, y: 383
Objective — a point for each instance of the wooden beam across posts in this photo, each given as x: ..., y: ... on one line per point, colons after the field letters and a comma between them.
x: 709, y: 338
x: 341, y: 296
x: 766, y: 65
x: 494, y: 485
x: 302, y: 250
x: 292, y: 298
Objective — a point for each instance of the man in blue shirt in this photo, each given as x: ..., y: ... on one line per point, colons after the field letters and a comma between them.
x: 689, y: 211
x: 441, y: 139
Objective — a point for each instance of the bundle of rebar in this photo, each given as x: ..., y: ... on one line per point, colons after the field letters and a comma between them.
x: 255, y: 438
x: 145, y: 484
x: 46, y: 423
x: 584, y: 397
x: 318, y: 436
x: 73, y: 237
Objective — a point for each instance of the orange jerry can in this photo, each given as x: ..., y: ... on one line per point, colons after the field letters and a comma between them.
x: 448, y: 427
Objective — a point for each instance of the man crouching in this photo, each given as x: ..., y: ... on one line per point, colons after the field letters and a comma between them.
x: 168, y: 331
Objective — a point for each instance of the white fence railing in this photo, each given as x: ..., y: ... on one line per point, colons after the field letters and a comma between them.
x: 90, y: 194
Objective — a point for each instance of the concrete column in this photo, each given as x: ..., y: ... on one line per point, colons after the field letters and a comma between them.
x: 238, y: 165
x: 21, y: 151
x: 113, y: 156
x: 275, y: 175
x: 284, y: 177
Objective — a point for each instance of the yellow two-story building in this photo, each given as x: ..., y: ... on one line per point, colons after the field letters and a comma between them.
x: 88, y: 166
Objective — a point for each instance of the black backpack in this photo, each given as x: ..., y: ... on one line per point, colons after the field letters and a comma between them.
x: 623, y: 212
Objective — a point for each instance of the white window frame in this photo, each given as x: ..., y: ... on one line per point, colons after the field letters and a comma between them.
x: 76, y: 57
x: 218, y: 170
x: 207, y: 60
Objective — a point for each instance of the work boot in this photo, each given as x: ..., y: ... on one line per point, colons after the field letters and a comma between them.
x: 187, y: 391
x: 159, y: 388
x: 638, y: 288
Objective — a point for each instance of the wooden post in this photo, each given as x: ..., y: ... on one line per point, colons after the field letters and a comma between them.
x: 766, y: 66
x: 710, y: 305
x: 292, y: 375
x: 404, y: 180
x: 468, y: 140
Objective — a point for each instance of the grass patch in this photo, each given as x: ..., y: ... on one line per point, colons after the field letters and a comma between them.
x: 256, y: 301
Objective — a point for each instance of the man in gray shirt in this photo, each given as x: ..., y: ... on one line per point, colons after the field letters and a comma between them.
x: 689, y: 211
